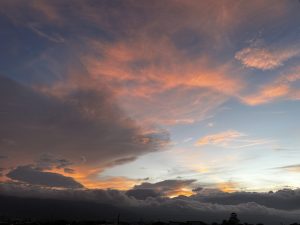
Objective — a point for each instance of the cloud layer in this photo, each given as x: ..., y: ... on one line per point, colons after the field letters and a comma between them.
x: 83, y: 127
x: 164, y: 188
x: 212, y: 206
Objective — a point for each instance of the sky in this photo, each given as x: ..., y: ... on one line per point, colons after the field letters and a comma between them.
x: 178, y: 99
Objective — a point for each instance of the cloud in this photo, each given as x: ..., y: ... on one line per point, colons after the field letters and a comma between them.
x: 164, y: 188
x: 121, y: 161
x: 53, y: 37
x: 143, y: 193
x: 219, y: 138
x: 267, y: 208
x: 116, y: 182
x: 283, y: 87
x: 230, y: 138
x: 145, y: 71
x: 181, y: 70
x: 1, y: 170
x: 82, y: 123
x: 33, y: 176
x: 188, y: 89
x: 291, y: 168
x: 69, y: 170
x: 265, y: 59
x: 228, y: 186
x: 267, y: 94
x: 48, y: 162
x: 285, y: 199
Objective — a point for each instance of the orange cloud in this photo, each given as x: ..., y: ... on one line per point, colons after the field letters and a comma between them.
x: 281, y: 88
x: 145, y: 66
x: 232, y: 139
x: 180, y: 191
x: 219, y: 138
x: 267, y: 94
x: 144, y: 78
x: 228, y: 186
x: 89, y: 179
x: 119, y: 183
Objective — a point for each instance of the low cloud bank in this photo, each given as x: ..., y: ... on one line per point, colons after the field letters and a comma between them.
x: 251, y: 207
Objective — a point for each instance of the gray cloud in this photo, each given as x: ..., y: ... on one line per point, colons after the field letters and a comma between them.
x: 154, y: 208
x: 121, y: 161
x: 161, y: 188
x: 143, y: 194
x: 285, y: 199
x: 1, y: 170
x: 83, y: 123
x: 69, y: 170
x: 165, y: 185
x: 49, y: 161
x: 197, y: 189
x: 33, y: 176
x: 291, y: 168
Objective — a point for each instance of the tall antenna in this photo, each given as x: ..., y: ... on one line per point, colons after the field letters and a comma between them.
x: 118, y: 220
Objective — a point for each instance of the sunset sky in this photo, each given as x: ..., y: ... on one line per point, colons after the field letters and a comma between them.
x: 176, y: 96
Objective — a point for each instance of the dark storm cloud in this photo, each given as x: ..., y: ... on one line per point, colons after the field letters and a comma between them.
x: 83, y: 123
x: 33, y: 176
x: 82, y: 202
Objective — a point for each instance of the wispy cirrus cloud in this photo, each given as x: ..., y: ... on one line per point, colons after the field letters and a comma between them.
x: 143, y: 77
x: 267, y: 94
x: 220, y: 138
x: 290, y: 168
x: 230, y: 138
x: 283, y: 87
x: 51, y: 37
x: 174, y: 72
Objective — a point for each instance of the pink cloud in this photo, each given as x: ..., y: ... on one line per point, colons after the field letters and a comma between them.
x: 265, y: 59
